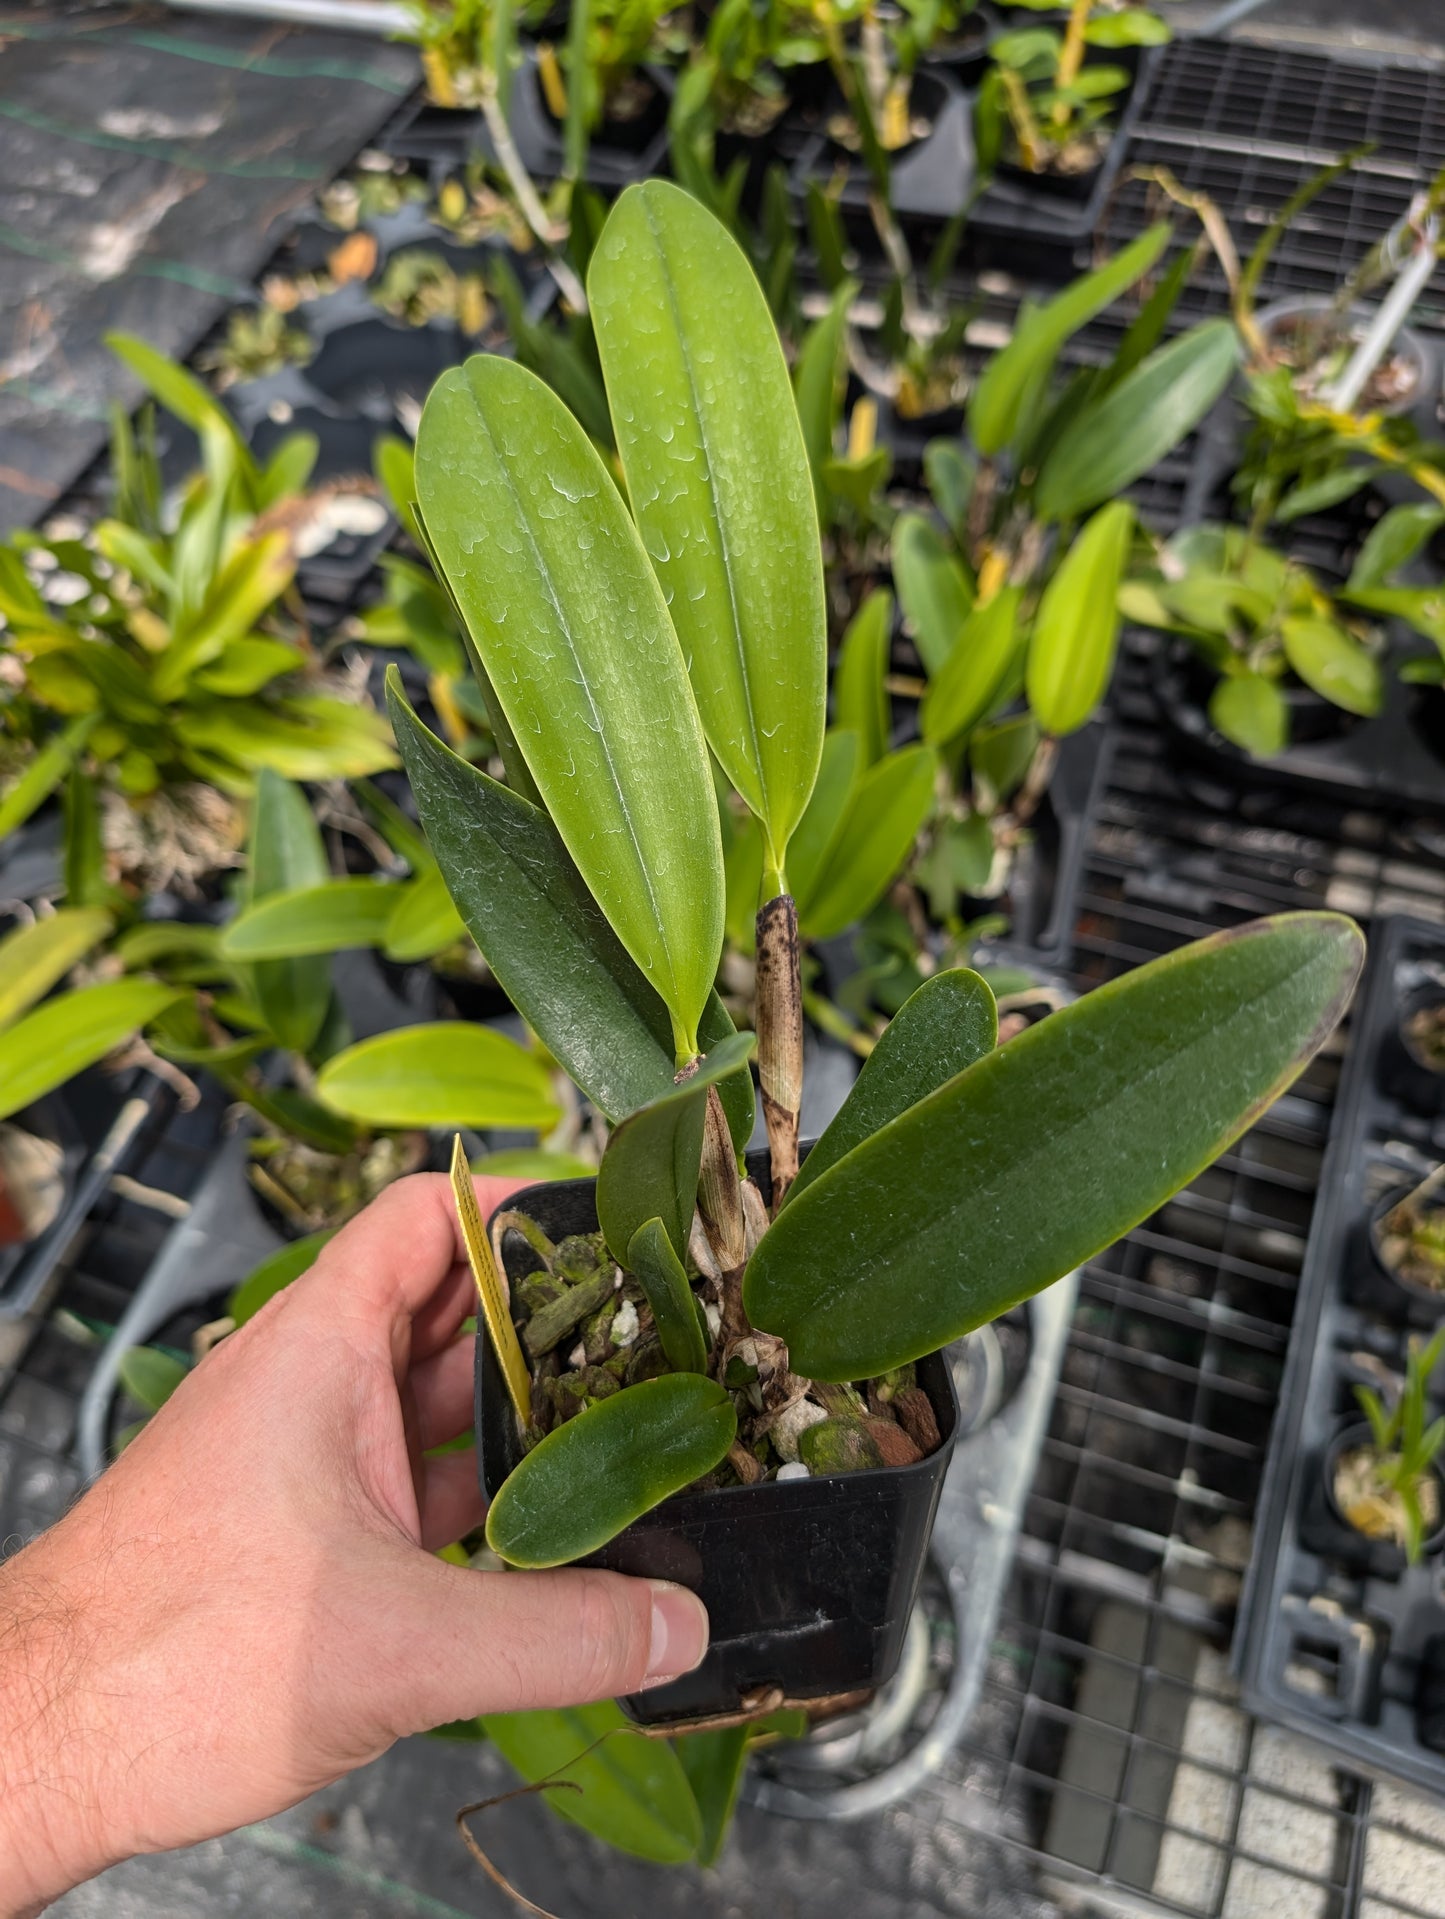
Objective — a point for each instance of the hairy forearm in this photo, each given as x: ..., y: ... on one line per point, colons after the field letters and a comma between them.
x: 47, y: 1810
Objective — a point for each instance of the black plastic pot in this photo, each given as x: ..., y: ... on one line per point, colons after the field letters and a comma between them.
x: 965, y: 58
x: 1408, y: 1074
x: 1035, y: 225
x: 97, y: 1122
x: 929, y: 181
x: 1422, y: 1305
x: 1333, y: 1627
x: 1380, y: 1558
x: 1388, y: 758
x: 808, y: 1583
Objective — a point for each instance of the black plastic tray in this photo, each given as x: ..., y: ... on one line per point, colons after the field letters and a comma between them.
x: 1330, y: 1635
x: 1028, y: 230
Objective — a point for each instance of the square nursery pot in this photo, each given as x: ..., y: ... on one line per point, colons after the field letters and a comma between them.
x: 1034, y: 225
x: 809, y: 1584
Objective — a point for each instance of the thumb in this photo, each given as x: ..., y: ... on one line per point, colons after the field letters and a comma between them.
x: 486, y: 1642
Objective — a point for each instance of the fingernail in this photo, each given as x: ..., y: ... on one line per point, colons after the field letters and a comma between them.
x: 679, y: 1632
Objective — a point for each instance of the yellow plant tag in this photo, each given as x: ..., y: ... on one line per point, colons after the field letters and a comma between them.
x: 505, y: 1343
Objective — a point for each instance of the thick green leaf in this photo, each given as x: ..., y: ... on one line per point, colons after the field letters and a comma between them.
x: 65, y: 1035
x: 275, y: 1274
x: 1329, y: 659
x: 543, y: 935
x: 1048, y: 1149
x: 570, y: 623
x: 34, y: 957
x: 329, y: 918
x: 423, y: 921
x: 718, y: 477
x: 822, y: 824
x: 714, y: 1763
x: 447, y: 1073
x: 590, y: 1478
x: 634, y: 1793
x: 938, y: 1032
x: 860, y: 695
x: 649, y: 1169
x: 1105, y: 448
x: 662, y: 1276
x: 966, y: 685
x: 535, y: 1163
x: 1250, y: 710
x: 997, y: 401
x: 888, y: 807
x: 149, y: 1376
x: 934, y: 589
x: 1396, y: 539
x: 1076, y: 629
x: 287, y: 853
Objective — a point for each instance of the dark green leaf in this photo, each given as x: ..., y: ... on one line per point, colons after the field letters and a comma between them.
x: 822, y: 824
x: 287, y: 853
x: 661, y: 1275
x: 714, y: 1763
x: 649, y: 1169
x: 818, y: 383
x: 1048, y: 1149
x: 939, y: 1031
x: 590, y: 1478
x: 888, y: 807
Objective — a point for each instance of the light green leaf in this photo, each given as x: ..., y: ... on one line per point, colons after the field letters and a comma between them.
x: 967, y: 683
x: 1329, y: 659
x: 1250, y: 710
x: 1393, y: 541
x: 650, y: 1166
x: 590, y: 1478
x: 329, y: 918
x: 718, y: 477
x: 1105, y: 448
x: 997, y: 400
x: 34, y: 957
x: 818, y: 383
x: 822, y: 824
x: 1076, y: 629
x: 888, y: 807
x: 65, y: 1035
x: 447, y: 1073
x: 1130, y: 27
x: 569, y: 620
x: 934, y: 589
x: 662, y: 1276
x: 287, y: 854
x: 860, y: 695
x: 534, y: 1163
x: 543, y: 935
x: 939, y: 1031
x: 245, y: 666
x: 424, y: 921
x: 274, y: 1274
x: 634, y: 1793
x: 44, y: 773
x: 1047, y: 1150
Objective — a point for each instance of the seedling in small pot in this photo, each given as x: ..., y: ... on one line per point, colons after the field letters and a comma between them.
x: 1043, y: 108
x: 682, y: 1338
x: 1288, y: 657
x: 1423, y: 1032
x: 1388, y: 1487
x: 1410, y: 1237
x: 259, y: 341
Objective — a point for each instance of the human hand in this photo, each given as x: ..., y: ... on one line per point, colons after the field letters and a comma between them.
x: 248, y: 1605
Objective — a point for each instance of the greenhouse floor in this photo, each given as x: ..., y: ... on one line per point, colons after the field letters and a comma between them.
x: 1109, y: 1767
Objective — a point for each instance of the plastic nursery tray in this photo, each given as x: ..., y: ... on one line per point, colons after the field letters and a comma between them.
x: 928, y: 181
x: 1022, y: 228
x: 1336, y: 1637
